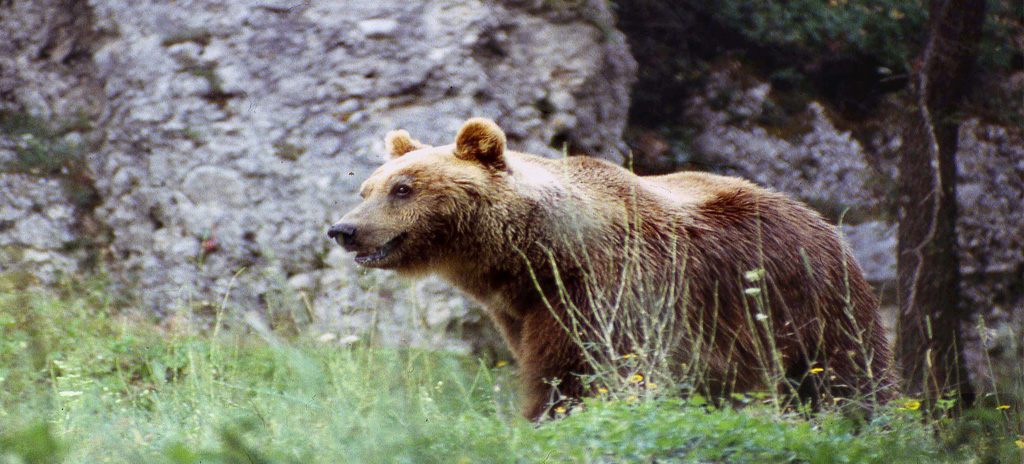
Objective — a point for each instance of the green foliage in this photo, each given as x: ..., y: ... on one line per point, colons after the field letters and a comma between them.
x: 111, y: 387
x: 889, y: 29
x: 981, y: 434
x: 893, y: 31
x: 1001, y: 25
x: 35, y: 444
x: 39, y: 146
x: 671, y: 430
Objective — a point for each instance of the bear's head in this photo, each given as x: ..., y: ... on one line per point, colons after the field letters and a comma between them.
x: 421, y: 205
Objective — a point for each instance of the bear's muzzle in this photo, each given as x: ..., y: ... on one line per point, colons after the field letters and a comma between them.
x: 344, y: 234
x: 363, y: 243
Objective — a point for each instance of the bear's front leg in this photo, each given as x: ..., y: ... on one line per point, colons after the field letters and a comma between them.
x: 511, y: 330
x: 551, y: 364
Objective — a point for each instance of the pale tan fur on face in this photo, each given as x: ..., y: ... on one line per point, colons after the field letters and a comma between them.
x: 422, y: 166
x: 440, y: 180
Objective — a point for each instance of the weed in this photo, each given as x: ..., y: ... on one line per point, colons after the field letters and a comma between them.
x: 288, y: 151
x: 112, y: 387
x: 40, y: 147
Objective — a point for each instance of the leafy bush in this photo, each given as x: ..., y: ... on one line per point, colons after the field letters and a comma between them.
x: 893, y: 31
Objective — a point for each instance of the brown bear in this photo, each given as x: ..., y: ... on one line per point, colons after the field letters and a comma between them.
x: 579, y: 261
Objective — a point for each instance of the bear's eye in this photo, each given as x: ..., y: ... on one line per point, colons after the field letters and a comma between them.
x: 401, y: 190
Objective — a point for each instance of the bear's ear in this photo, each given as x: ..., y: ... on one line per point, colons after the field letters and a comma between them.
x: 398, y: 143
x: 480, y: 139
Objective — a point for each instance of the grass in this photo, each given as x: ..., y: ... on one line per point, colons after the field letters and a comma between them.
x: 84, y: 381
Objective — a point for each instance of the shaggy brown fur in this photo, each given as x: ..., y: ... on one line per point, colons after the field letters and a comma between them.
x: 533, y: 239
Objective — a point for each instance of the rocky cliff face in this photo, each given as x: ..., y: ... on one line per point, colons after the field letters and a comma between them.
x: 216, y: 141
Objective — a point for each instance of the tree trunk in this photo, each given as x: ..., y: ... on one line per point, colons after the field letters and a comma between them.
x: 930, y: 344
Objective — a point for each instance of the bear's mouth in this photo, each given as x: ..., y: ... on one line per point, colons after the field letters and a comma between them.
x: 377, y: 256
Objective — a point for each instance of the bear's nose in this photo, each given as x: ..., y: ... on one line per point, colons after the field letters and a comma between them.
x: 343, y: 233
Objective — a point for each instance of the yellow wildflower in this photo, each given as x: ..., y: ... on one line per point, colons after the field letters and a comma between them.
x: 652, y: 385
x: 1003, y: 406
x: 501, y: 364
x: 631, y: 355
x: 603, y: 391
x: 910, y: 405
x: 817, y: 370
x: 631, y: 398
x: 1020, y: 443
x: 636, y: 378
x: 560, y: 410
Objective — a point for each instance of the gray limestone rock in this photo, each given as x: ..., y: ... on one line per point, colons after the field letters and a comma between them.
x: 213, y: 184
x: 874, y: 247
x: 818, y: 163
x: 224, y: 139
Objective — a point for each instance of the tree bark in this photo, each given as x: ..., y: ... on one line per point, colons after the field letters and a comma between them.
x: 930, y: 343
